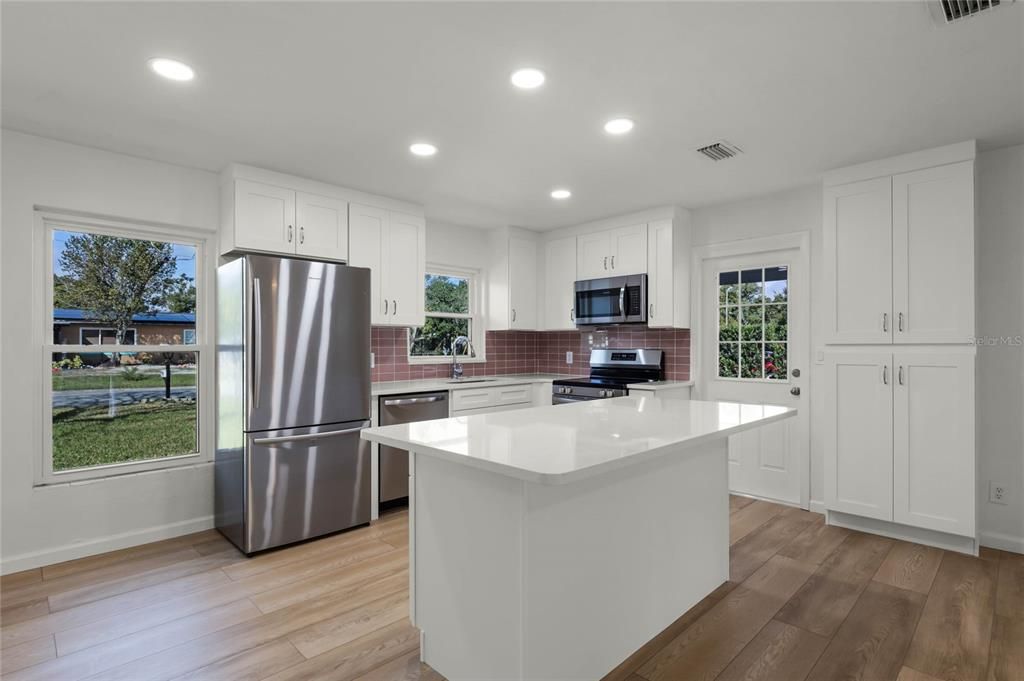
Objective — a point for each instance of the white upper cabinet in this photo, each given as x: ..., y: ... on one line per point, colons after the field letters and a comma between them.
x: 613, y: 252
x: 559, y: 284
x: 321, y: 226
x: 393, y: 246
x: 660, y: 275
x: 264, y: 217
x: 522, y: 283
x: 933, y: 458
x: 858, y: 433
x: 933, y: 254
x: 858, y: 251
x: 366, y: 226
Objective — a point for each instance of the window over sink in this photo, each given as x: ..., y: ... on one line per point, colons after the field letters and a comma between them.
x: 451, y: 303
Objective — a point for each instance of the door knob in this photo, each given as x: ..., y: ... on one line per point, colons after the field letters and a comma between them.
x: 795, y: 390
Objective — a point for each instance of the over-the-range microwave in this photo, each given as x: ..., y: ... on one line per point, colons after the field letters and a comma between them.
x: 614, y: 300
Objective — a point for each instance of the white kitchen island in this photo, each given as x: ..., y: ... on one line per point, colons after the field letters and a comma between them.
x: 550, y: 543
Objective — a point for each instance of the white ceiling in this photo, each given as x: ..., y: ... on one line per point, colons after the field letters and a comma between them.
x: 337, y: 91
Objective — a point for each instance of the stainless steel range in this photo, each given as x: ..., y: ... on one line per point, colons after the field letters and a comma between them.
x: 611, y: 371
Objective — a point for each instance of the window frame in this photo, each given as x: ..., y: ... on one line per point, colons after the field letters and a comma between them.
x: 46, y: 221
x: 475, y: 317
x: 739, y: 342
x: 101, y: 329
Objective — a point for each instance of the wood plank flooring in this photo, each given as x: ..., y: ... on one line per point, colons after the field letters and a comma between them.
x: 805, y: 602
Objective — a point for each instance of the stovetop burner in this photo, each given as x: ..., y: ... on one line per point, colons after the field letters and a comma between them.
x: 611, y: 370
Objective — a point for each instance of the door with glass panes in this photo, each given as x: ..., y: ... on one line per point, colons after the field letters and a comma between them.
x: 754, y: 350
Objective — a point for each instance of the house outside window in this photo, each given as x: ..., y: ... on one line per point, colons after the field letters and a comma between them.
x: 122, y: 391
x: 452, y: 304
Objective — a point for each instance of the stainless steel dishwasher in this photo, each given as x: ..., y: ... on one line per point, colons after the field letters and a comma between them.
x: 394, y: 462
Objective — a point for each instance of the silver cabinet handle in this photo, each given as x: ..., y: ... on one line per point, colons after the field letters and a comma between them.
x: 394, y: 307
x: 885, y: 374
x: 308, y: 437
x: 900, y: 322
x: 651, y: 311
x: 406, y: 401
x: 385, y: 306
x: 572, y: 314
x: 613, y: 262
x: 513, y: 314
x: 606, y: 262
x: 302, y: 235
x: 901, y: 375
x: 289, y: 233
x: 885, y: 321
x: 257, y: 351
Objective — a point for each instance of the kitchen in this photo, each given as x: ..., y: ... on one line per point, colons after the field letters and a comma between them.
x: 830, y: 521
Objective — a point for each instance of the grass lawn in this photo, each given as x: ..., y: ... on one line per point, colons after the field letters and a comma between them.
x: 89, y: 381
x: 89, y: 437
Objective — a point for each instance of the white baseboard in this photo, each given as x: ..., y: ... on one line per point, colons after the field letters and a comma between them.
x: 27, y: 561
x: 1003, y: 542
x: 908, y: 533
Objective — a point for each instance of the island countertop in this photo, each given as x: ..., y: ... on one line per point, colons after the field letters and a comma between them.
x: 564, y: 443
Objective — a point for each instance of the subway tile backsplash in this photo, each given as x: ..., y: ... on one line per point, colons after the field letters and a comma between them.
x: 531, y: 352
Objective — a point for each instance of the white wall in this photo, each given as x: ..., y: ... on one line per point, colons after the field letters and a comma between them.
x: 1000, y: 311
x: 1000, y: 368
x: 42, y: 525
x: 456, y: 246
x: 787, y: 212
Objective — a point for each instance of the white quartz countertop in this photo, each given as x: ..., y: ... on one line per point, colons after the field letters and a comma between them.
x: 660, y: 385
x: 569, y: 442
x: 434, y: 384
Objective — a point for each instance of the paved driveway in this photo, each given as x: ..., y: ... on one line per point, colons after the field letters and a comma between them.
x: 103, y: 396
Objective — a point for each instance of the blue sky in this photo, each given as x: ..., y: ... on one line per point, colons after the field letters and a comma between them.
x: 185, y: 262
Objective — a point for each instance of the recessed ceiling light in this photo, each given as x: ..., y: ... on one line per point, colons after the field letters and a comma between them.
x: 423, y: 149
x: 560, y: 193
x: 618, y: 126
x: 528, y: 79
x: 171, y: 69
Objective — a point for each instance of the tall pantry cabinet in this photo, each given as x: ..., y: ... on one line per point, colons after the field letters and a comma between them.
x: 898, y: 242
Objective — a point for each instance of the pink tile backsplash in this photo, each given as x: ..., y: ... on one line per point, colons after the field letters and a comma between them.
x: 531, y: 352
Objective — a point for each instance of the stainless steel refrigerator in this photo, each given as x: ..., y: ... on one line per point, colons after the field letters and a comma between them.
x: 293, y: 392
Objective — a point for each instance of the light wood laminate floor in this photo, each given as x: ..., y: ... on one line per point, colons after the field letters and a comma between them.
x: 804, y: 602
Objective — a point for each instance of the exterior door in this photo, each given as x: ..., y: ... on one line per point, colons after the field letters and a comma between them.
x: 366, y: 226
x: 559, y: 281
x: 310, y: 343
x: 933, y: 254
x: 322, y: 224
x: 628, y: 250
x: 858, y: 261
x: 592, y: 255
x: 933, y: 457
x: 404, y: 257
x: 858, y: 433
x: 522, y: 283
x: 754, y: 350
x: 264, y: 217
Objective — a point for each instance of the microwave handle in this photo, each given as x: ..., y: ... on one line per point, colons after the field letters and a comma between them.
x: 622, y: 302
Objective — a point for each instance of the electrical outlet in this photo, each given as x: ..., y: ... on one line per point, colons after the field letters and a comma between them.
x: 373, y: 359
x: 568, y: 356
x: 997, y: 494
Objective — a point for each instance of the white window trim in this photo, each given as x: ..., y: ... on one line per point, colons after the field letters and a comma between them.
x: 101, y: 329
x: 475, y: 314
x: 47, y: 220
x: 718, y: 322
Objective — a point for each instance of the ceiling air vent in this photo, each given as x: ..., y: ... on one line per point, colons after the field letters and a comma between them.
x: 953, y: 10
x: 719, y: 151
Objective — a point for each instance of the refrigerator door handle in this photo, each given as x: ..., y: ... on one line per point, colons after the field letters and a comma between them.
x: 308, y: 437
x: 257, y: 353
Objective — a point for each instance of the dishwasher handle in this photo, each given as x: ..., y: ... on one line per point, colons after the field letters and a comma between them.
x: 406, y: 401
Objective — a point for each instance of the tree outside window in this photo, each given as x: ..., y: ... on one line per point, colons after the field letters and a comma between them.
x: 753, y: 318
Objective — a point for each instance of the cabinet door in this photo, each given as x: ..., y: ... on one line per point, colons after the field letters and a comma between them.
x: 628, y: 250
x: 559, y: 280
x: 858, y: 261
x: 404, y: 257
x: 366, y: 227
x: 264, y: 217
x: 934, y: 458
x: 933, y: 254
x: 322, y: 224
x: 858, y: 435
x: 522, y: 283
x: 660, y: 274
x: 592, y: 255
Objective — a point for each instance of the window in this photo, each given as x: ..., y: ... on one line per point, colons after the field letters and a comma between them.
x: 107, y: 409
x: 753, y: 316
x: 451, y: 311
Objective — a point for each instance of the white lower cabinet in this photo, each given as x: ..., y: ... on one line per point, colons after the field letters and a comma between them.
x: 486, y: 400
x: 899, y: 443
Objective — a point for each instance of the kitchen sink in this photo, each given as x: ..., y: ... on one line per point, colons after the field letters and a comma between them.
x: 472, y: 380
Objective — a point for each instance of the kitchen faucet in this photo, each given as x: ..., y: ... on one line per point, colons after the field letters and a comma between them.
x: 457, y: 365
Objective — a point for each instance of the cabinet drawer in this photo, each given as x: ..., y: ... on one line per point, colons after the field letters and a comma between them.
x: 491, y: 409
x: 473, y: 398
x: 512, y: 394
